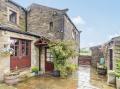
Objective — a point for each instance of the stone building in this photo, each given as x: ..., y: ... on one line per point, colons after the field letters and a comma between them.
x: 112, y: 52
x: 27, y: 31
x: 97, y: 53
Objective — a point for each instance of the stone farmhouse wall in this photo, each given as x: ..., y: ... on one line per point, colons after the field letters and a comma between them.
x: 5, y: 60
x: 96, y: 55
x: 35, y: 20
x: 5, y: 7
x: 39, y: 19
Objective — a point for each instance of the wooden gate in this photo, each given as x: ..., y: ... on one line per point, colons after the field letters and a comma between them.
x: 22, y: 55
x: 85, y: 60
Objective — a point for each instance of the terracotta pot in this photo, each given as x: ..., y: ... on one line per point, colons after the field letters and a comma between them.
x: 117, y: 83
x: 11, y: 79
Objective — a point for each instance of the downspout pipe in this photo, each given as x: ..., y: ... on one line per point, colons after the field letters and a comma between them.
x: 26, y: 22
x: 25, y: 10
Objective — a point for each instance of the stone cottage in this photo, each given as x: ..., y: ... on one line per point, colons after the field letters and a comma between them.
x: 112, y: 52
x: 28, y: 31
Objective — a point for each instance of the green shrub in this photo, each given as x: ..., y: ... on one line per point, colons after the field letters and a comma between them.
x: 62, y: 51
x: 71, y: 68
x: 35, y: 69
x: 117, y: 71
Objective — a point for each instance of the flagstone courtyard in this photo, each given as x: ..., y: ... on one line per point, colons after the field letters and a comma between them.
x: 86, y: 78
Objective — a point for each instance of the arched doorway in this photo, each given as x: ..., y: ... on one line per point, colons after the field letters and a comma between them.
x: 42, y: 44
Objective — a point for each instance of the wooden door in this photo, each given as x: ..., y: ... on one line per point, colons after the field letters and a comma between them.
x: 22, y: 55
x: 49, y: 66
x: 111, y: 59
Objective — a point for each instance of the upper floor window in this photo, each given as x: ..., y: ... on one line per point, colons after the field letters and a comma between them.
x: 74, y: 34
x: 51, y: 26
x: 12, y: 16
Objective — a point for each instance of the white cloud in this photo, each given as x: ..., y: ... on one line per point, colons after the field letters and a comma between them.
x: 114, y: 35
x: 78, y: 20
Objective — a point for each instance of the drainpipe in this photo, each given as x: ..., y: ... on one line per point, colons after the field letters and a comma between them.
x: 63, y: 29
x: 26, y: 20
x: 25, y: 10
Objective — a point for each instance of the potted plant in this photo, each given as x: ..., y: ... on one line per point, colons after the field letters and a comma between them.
x: 35, y: 70
x: 117, y: 74
x: 6, y: 51
x: 61, y: 51
x: 102, y: 69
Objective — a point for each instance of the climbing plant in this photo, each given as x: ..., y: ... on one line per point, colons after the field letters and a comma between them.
x: 62, y: 51
x: 117, y: 53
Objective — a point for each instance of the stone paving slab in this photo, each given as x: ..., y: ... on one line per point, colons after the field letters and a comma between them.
x: 85, y: 78
x: 89, y: 79
x: 4, y: 86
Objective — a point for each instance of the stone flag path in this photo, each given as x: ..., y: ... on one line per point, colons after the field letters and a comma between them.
x: 85, y: 78
x: 88, y: 79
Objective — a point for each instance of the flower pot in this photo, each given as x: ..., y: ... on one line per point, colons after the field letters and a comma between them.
x: 111, y: 78
x: 11, y: 79
x: 56, y: 73
x: 35, y: 73
x: 117, y: 83
x: 102, y: 71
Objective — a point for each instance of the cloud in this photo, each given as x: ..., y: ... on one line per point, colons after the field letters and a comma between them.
x: 78, y: 20
x: 114, y: 35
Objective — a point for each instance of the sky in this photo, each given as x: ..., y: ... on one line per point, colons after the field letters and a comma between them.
x: 99, y: 20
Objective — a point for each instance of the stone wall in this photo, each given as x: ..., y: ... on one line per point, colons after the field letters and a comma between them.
x: 39, y: 19
x: 115, y: 46
x: 71, y: 33
x: 96, y: 55
x: 5, y: 6
x: 5, y: 40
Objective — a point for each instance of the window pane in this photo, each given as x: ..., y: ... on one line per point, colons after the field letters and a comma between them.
x: 51, y: 26
x: 21, y: 47
x: 27, y: 51
x: 23, y: 42
x: 23, y: 50
x: 49, y: 56
x: 12, y: 42
x: 27, y: 48
x: 16, y: 41
x: 27, y: 43
x: 12, y: 16
x: 16, y: 50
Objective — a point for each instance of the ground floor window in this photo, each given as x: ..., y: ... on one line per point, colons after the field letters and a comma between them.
x: 22, y: 53
x: 49, y: 56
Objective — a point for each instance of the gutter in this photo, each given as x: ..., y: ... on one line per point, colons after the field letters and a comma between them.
x: 16, y: 31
